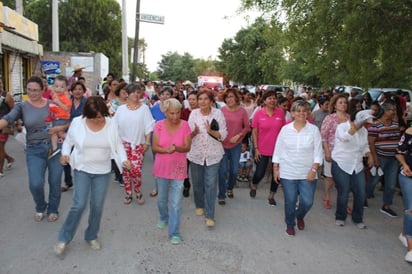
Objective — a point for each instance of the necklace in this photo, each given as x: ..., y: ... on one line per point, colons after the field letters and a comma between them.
x: 133, y: 107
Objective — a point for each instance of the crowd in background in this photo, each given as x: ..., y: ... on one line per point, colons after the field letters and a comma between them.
x: 210, y: 140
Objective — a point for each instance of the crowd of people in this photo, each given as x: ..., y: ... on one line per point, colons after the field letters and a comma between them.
x: 208, y: 140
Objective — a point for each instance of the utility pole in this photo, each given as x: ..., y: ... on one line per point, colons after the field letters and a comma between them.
x: 19, y: 7
x: 125, y: 44
x: 55, y: 25
x: 136, y: 41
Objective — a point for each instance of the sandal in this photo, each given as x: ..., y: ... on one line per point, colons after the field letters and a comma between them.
x: 140, y: 199
x: 52, y: 217
x: 38, y: 217
x: 127, y: 200
x: 9, y: 165
x: 230, y: 193
x: 153, y: 193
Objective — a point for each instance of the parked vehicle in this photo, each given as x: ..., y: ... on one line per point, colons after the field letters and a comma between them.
x: 347, y: 89
x: 376, y: 94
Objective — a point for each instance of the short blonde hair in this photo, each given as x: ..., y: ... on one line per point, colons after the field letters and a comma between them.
x: 171, y: 103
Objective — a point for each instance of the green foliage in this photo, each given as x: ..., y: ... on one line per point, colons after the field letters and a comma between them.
x: 174, y: 67
x: 84, y: 26
x: 358, y: 42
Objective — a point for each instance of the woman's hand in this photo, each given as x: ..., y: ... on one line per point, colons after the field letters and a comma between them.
x: 145, y: 147
x: 276, y: 176
x: 171, y: 149
x: 65, y: 160
x: 234, y: 139
x: 195, y: 131
x: 311, y: 175
x: 257, y: 154
x: 406, y: 170
x: 127, y: 164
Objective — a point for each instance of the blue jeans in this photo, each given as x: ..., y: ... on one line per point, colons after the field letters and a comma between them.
x: 85, y: 183
x: 170, y: 191
x: 291, y: 190
x: 229, y: 167
x: 406, y: 187
x: 261, y: 170
x: 37, y: 163
x: 390, y: 170
x: 345, y: 183
x: 204, y: 180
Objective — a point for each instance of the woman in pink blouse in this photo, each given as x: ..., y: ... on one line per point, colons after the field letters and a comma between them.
x: 171, y: 142
x: 338, y: 114
x: 237, y: 123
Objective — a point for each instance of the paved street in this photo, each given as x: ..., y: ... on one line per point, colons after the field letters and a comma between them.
x: 248, y: 238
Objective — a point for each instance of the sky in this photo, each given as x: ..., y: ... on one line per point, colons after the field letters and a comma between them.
x: 197, y: 27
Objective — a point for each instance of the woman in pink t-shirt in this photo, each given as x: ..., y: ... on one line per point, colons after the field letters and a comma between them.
x: 171, y: 142
x: 266, y: 125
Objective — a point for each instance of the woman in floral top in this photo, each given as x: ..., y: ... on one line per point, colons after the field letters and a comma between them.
x: 206, y: 153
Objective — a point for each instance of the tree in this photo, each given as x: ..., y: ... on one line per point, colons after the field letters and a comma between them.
x: 173, y: 67
x: 254, y: 55
x: 84, y: 26
x: 355, y: 42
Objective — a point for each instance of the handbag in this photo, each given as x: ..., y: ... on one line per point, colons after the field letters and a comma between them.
x: 214, y: 125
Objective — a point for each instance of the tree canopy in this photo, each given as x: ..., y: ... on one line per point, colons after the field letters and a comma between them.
x: 359, y: 42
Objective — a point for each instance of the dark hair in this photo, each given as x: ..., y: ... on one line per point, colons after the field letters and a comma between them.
x: 78, y: 83
x: 81, y: 78
x: 166, y: 89
x: 121, y: 86
x: 269, y: 93
x: 234, y: 92
x: 95, y: 105
x: 35, y: 79
x: 61, y: 78
x: 282, y: 100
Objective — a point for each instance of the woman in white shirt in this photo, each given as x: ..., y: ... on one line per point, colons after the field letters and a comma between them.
x: 296, y: 159
x: 351, y: 145
x: 135, y: 126
x: 95, y: 141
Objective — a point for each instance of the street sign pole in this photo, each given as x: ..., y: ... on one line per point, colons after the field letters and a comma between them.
x: 136, y: 41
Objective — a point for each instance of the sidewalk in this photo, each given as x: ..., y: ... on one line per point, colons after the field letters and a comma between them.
x: 249, y: 236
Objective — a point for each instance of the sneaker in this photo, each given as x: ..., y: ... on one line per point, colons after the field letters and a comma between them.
x: 301, y: 224
x: 408, y: 257
x: 121, y: 184
x: 239, y: 178
x: 221, y: 202
x: 210, y: 222
x: 340, y: 223
x: 199, y: 211
x: 290, y: 231
x: 403, y: 240
x: 161, y: 224
x: 175, y: 240
x: 361, y: 225
x: 59, y: 248
x: 54, y: 153
x: 95, y: 245
x: 271, y: 201
x: 388, y: 212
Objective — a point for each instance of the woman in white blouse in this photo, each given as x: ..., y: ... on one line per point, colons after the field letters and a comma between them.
x: 351, y: 145
x: 95, y: 141
x: 205, y: 154
x: 296, y: 159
